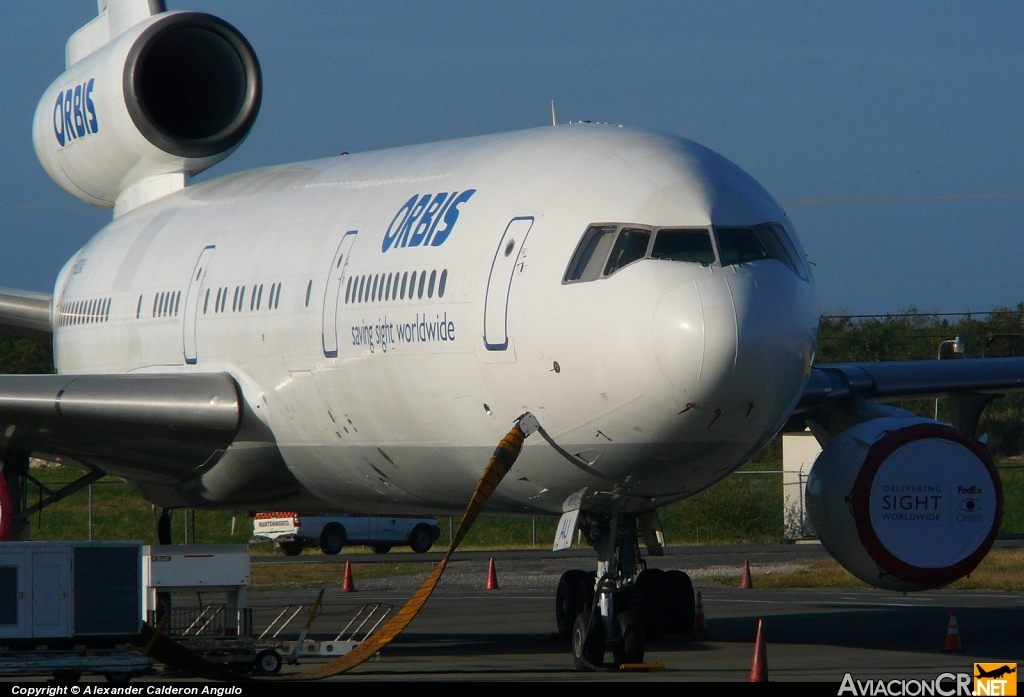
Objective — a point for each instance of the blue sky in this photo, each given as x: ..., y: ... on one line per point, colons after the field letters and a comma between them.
x: 818, y: 101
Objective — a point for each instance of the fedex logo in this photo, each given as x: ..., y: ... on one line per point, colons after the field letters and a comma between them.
x: 74, y: 113
x: 425, y: 220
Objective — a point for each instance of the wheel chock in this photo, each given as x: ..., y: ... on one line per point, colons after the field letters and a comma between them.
x: 642, y: 667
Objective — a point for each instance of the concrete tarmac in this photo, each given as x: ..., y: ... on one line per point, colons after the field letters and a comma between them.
x: 813, y: 634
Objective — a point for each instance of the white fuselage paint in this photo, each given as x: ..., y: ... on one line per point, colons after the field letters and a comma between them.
x: 399, y: 406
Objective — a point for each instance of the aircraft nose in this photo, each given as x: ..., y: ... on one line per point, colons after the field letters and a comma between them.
x: 695, y: 333
x: 739, y: 336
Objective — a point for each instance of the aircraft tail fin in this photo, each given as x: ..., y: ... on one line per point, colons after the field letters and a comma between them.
x: 112, y: 19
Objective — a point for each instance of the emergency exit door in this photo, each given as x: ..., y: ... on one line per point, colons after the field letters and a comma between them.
x: 499, y: 283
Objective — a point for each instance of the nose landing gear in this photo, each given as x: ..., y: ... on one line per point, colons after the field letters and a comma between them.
x: 624, y: 602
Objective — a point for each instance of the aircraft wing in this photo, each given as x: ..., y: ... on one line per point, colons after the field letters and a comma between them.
x: 25, y: 314
x: 890, y: 381
x: 157, y: 428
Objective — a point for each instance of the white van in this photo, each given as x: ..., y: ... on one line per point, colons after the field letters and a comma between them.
x: 332, y: 531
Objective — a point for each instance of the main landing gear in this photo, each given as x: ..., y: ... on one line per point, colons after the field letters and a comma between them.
x: 622, y: 604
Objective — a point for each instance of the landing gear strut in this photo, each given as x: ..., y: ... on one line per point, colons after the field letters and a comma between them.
x: 624, y: 602
x: 163, y: 527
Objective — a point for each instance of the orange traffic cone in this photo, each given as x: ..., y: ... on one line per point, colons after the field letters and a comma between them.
x: 492, y: 577
x: 349, y: 586
x: 747, y: 582
x: 759, y: 666
x: 953, y: 634
x: 700, y: 623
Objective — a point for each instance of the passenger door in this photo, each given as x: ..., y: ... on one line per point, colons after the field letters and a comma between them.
x: 193, y: 297
x: 332, y: 293
x: 499, y: 283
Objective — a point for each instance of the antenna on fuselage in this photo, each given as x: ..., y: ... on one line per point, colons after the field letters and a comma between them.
x: 554, y: 114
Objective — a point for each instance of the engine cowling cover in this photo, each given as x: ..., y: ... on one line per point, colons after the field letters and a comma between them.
x: 176, y: 93
x: 905, y: 504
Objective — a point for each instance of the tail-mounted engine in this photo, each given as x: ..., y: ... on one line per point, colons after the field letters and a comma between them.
x: 905, y: 504
x: 140, y: 112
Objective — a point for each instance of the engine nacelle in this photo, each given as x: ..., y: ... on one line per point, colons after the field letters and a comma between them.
x: 905, y: 504
x: 173, y: 95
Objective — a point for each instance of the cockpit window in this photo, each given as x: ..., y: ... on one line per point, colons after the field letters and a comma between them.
x: 630, y: 246
x: 738, y: 245
x: 792, y: 255
x: 608, y: 247
x: 684, y: 245
x: 591, y: 253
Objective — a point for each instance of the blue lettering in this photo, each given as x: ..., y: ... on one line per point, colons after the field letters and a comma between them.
x: 58, y: 118
x: 76, y: 110
x: 393, y: 230
x: 94, y: 123
x: 69, y: 126
x: 439, y: 216
x: 450, y: 217
x: 403, y: 239
x: 418, y: 222
x: 424, y: 225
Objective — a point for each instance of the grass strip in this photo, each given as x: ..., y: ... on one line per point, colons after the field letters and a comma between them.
x: 1002, y: 569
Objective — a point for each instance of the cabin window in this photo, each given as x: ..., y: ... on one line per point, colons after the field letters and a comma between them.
x: 441, y: 283
x: 684, y: 245
x: 630, y: 246
x: 387, y: 289
x: 423, y: 278
x: 206, y: 301
x: 430, y: 286
x: 405, y: 277
x: 589, y: 258
x: 277, y: 296
x: 373, y: 295
x: 309, y: 289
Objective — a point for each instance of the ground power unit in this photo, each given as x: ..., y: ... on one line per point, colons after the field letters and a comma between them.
x: 88, y: 592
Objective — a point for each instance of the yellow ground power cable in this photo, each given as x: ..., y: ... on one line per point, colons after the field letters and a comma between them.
x: 500, y: 463
x: 174, y: 654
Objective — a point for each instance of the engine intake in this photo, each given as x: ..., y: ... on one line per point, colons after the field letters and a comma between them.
x: 192, y: 85
x: 905, y: 504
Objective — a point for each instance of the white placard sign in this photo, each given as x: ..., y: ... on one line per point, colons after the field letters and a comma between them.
x: 932, y: 503
x: 566, y: 530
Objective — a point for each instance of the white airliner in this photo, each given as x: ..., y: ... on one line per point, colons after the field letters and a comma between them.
x: 358, y: 333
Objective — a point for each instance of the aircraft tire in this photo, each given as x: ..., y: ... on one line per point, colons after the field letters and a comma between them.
x: 566, y: 606
x: 587, y: 647
x: 647, y: 600
x: 677, y: 603
x: 585, y: 592
x: 629, y: 639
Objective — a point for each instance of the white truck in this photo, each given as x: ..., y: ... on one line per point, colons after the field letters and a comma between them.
x: 332, y: 531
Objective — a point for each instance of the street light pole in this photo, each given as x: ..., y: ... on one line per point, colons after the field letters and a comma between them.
x: 958, y: 348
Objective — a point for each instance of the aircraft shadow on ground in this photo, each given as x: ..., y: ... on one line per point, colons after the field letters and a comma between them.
x: 983, y: 630
x: 989, y: 631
